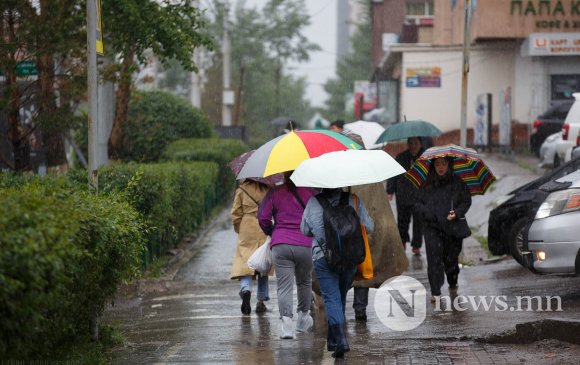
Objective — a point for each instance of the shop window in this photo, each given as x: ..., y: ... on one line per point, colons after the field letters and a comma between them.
x: 564, y: 85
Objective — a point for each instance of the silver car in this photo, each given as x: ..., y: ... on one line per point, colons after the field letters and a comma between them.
x: 554, y: 236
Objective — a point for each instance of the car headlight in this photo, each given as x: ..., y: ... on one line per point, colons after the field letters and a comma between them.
x: 559, y: 202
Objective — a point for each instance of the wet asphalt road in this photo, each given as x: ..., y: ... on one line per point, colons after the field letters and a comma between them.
x: 194, y: 315
x: 196, y: 318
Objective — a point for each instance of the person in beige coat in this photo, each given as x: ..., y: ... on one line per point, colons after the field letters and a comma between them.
x: 250, y: 236
x: 387, y: 252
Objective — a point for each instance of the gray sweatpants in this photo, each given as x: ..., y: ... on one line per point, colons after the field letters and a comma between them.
x: 293, y: 261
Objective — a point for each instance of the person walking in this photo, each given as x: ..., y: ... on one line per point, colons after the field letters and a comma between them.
x: 279, y: 216
x: 334, y: 284
x: 443, y: 198
x: 250, y: 236
x: 406, y: 196
x: 387, y: 253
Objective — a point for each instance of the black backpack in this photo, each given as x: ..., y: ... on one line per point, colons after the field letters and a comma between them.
x: 344, y: 241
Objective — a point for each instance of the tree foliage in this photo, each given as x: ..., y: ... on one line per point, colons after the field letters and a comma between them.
x: 156, y: 118
x: 357, y: 65
x: 49, y: 35
x: 263, y: 41
x: 172, y: 29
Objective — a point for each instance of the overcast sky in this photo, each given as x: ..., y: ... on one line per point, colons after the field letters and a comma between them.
x: 321, y: 31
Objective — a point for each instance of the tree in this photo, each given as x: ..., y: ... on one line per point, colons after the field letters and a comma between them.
x: 357, y: 65
x: 48, y: 35
x: 261, y: 44
x: 171, y: 28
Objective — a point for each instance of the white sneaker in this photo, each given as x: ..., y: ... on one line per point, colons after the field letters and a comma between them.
x: 286, y: 328
x: 304, y: 322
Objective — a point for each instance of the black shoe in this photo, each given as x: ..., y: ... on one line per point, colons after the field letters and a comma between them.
x: 337, y: 331
x: 246, y: 307
x: 261, y: 307
x: 360, y: 316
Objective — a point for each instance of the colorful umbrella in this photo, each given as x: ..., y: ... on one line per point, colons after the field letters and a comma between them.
x: 346, y: 168
x: 286, y: 152
x: 408, y: 129
x: 237, y: 163
x: 466, y: 164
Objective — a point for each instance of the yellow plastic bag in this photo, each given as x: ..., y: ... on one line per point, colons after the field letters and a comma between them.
x: 364, y: 270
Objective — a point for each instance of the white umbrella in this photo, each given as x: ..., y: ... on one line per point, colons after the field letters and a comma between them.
x: 369, y: 132
x: 346, y: 168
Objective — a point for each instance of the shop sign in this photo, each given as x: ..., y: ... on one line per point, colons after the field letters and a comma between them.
x: 423, y: 77
x: 554, y: 44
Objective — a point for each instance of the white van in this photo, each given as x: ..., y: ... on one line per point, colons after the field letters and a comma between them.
x: 570, y: 131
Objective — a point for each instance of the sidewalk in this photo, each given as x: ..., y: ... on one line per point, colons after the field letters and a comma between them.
x: 192, y: 316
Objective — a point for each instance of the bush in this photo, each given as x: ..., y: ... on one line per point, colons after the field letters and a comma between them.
x: 64, y: 253
x: 156, y: 118
x: 174, y: 198
x: 220, y: 151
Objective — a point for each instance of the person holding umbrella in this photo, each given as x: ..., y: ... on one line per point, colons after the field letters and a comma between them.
x: 443, y: 198
x: 406, y: 196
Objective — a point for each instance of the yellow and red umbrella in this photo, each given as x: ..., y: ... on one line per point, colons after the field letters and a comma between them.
x: 286, y: 152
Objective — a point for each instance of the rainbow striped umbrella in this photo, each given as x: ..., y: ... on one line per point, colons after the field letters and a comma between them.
x: 286, y: 152
x: 466, y: 164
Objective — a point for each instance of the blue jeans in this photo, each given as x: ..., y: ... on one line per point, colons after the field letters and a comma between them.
x: 333, y: 286
x: 246, y: 284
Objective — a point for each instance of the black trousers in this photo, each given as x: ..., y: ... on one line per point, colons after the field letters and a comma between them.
x: 404, y: 214
x: 360, y: 300
x: 442, y: 259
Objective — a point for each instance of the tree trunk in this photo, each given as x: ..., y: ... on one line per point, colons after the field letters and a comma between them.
x: 239, y: 96
x: 51, y: 134
x: 123, y: 96
x: 18, y: 162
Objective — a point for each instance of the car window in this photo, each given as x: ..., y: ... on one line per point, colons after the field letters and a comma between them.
x: 557, y: 111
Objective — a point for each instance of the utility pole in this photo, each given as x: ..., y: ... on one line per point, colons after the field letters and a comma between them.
x: 228, y: 95
x: 92, y: 81
x: 197, y: 77
x: 466, y: 44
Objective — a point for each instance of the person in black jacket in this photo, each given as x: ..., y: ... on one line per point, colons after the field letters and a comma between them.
x: 444, y: 197
x: 406, y: 196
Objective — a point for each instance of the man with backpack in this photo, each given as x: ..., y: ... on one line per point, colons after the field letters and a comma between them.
x: 333, y: 218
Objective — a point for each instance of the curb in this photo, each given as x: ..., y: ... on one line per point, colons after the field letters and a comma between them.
x: 561, y: 329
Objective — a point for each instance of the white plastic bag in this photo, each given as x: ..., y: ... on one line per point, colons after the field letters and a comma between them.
x: 261, y: 259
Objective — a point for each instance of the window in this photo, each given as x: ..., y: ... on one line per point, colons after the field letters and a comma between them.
x: 564, y: 85
x: 420, y: 8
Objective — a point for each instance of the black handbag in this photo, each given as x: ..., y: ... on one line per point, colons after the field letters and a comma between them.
x: 457, y: 228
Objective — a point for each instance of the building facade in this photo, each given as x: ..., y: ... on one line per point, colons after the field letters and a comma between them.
x: 525, y: 53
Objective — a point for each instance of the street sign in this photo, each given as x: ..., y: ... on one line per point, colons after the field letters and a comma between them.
x: 26, y: 68
x: 99, y: 31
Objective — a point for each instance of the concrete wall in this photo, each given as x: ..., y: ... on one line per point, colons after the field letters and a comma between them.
x: 492, y: 69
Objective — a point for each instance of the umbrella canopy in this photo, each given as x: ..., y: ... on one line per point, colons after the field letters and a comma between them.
x: 286, y: 152
x: 466, y: 164
x: 237, y: 163
x: 346, y: 168
x: 369, y: 132
x: 408, y: 129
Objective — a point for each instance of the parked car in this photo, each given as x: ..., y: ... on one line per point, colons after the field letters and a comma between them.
x: 548, y: 151
x: 570, y: 131
x: 549, y: 122
x: 509, y: 220
x: 553, y: 239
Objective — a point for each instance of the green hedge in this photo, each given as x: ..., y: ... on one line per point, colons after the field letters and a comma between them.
x: 221, y: 151
x: 63, y: 254
x: 174, y: 198
x: 156, y: 118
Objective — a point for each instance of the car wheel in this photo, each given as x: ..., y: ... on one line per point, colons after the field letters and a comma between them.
x: 516, y: 240
x: 557, y: 161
